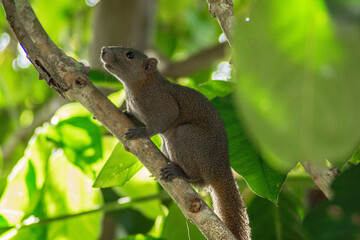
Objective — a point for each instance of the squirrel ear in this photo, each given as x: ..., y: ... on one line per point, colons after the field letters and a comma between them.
x: 151, y: 64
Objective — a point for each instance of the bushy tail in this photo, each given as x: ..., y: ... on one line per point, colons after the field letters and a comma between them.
x: 229, y: 206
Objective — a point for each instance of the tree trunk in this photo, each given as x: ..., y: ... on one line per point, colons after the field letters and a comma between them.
x: 122, y: 23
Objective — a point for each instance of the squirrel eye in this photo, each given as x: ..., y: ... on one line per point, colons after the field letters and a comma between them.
x: 130, y: 55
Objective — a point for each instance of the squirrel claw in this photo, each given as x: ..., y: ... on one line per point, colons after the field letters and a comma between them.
x: 134, y: 133
x: 171, y: 171
x: 167, y: 173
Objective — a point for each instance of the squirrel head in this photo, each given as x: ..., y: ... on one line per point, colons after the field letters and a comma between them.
x: 127, y: 64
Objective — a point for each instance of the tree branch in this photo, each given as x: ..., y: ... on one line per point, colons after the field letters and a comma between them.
x: 322, y: 176
x: 223, y: 11
x: 195, y: 62
x: 69, y: 78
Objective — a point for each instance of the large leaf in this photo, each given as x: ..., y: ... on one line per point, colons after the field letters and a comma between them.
x: 298, y: 82
x: 45, y: 184
x: 339, y: 218
x: 244, y: 158
x: 68, y: 191
x: 270, y: 222
x: 118, y: 169
x: 80, y: 139
x: 24, y: 184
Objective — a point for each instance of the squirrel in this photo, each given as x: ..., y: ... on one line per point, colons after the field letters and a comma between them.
x: 192, y: 132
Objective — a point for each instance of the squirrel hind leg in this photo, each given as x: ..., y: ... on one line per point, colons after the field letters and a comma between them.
x: 172, y: 170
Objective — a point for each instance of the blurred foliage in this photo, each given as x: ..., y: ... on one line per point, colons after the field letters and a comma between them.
x: 103, y: 79
x: 64, y: 21
x: 293, y: 96
x: 298, y: 82
x: 178, y: 41
x: 281, y: 222
x: 338, y: 218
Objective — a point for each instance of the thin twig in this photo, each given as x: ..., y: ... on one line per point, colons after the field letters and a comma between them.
x: 119, y: 204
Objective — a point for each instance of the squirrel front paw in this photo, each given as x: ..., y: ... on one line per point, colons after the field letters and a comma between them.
x: 172, y: 170
x: 134, y: 133
x: 169, y: 172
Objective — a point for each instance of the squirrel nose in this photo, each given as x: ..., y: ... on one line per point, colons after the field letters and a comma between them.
x: 104, y: 50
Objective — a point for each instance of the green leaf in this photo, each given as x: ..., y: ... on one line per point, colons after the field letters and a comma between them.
x: 140, y: 237
x: 68, y: 191
x: 118, y: 169
x: 355, y: 159
x: 244, y: 158
x: 80, y: 139
x: 70, y: 110
x: 142, y: 185
x: 269, y: 222
x: 156, y: 139
x: 133, y: 221
x: 25, y: 181
x: 45, y: 184
x: 211, y: 89
x: 216, y: 88
x: 104, y: 79
x: 298, y: 82
x: 117, y: 98
x: 3, y: 222
x: 176, y: 227
x: 34, y: 232
x: 340, y: 217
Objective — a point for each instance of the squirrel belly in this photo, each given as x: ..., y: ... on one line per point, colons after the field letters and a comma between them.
x: 193, y: 134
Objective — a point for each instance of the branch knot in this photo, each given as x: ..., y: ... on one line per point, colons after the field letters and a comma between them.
x: 194, y: 205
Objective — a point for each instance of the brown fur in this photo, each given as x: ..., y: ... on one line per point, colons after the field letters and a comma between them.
x: 192, y: 131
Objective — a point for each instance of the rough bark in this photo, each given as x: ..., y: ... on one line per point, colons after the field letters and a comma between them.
x: 69, y: 78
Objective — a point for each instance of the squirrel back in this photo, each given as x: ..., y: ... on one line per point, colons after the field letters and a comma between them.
x: 193, y: 134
